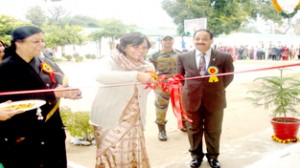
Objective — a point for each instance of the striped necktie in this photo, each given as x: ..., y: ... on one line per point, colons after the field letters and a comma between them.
x: 202, y: 64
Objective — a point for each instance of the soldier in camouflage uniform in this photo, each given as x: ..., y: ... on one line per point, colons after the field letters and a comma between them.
x: 164, y: 62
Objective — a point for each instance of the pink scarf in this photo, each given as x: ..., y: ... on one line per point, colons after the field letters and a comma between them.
x: 128, y: 65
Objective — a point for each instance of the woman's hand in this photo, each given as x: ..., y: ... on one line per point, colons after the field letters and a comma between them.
x: 64, y: 91
x: 145, y: 77
x: 6, y: 114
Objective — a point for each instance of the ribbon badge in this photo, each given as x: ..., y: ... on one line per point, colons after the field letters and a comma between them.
x: 213, y: 71
x: 47, y: 68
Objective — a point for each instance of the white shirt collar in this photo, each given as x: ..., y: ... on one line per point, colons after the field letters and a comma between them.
x: 207, y: 56
x: 207, y: 53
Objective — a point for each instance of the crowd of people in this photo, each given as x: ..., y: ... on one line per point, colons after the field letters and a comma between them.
x: 244, y: 52
x: 118, y: 114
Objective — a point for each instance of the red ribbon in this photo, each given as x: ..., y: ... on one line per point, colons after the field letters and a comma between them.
x: 163, y: 82
x: 152, y: 85
x: 174, y: 85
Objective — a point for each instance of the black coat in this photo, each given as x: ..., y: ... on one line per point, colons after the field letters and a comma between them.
x: 26, y: 141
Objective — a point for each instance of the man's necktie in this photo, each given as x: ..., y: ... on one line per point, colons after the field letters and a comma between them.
x: 202, y: 64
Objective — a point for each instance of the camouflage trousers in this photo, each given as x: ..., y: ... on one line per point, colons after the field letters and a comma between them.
x: 161, y: 104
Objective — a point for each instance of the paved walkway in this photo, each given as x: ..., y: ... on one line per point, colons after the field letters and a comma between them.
x: 253, y: 151
x: 263, y: 153
x: 256, y: 150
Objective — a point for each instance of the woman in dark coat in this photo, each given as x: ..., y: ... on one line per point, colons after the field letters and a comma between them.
x: 35, y: 138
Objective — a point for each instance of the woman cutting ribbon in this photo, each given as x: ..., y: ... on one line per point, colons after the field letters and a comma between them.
x: 118, y: 113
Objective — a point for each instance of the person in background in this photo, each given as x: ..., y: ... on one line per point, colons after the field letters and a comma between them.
x: 118, y: 111
x: 285, y: 53
x: 204, y: 98
x: 165, y: 64
x: 34, y: 138
x: 2, y: 48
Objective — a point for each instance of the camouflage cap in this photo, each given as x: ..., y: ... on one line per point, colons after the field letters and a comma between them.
x: 167, y: 37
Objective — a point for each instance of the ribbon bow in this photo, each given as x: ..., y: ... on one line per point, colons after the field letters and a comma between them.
x: 174, y: 85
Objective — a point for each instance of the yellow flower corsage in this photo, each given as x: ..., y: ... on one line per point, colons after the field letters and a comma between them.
x: 213, y: 71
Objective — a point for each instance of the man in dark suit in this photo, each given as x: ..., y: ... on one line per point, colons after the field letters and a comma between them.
x: 203, y: 95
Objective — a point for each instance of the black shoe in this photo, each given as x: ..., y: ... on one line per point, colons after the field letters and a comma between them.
x: 184, y: 126
x: 162, y: 136
x: 196, y: 162
x: 183, y: 129
x: 214, y: 163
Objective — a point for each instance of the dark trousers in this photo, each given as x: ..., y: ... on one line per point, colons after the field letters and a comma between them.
x: 208, y: 125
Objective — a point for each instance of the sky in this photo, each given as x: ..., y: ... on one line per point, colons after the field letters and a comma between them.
x: 144, y: 13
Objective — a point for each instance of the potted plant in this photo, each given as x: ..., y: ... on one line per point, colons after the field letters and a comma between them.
x: 282, y: 95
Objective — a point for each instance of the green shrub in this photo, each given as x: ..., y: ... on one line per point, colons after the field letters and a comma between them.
x: 77, y: 57
x: 68, y: 57
x: 57, y: 59
x: 90, y: 56
x: 77, y: 123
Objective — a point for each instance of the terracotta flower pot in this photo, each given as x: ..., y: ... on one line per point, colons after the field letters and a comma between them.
x: 285, y: 128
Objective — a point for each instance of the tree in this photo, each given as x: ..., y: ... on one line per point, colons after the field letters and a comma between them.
x: 84, y: 21
x: 97, y: 37
x: 7, y: 25
x: 224, y: 16
x: 36, y: 16
x: 278, y: 23
x: 114, y: 29
x: 58, y: 16
x: 62, y: 36
x: 266, y: 11
x: 110, y: 28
